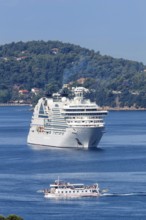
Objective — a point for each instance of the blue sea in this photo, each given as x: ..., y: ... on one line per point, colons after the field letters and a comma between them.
x: 119, y: 165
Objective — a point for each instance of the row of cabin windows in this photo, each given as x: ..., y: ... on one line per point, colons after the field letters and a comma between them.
x: 84, y: 114
x: 80, y: 117
x: 83, y: 191
x: 84, y: 121
x: 79, y: 110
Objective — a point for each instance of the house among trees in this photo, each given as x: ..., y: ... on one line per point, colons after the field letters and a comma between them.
x: 21, y: 58
x: 35, y: 91
x: 82, y: 80
x: 55, y: 50
x: 23, y: 91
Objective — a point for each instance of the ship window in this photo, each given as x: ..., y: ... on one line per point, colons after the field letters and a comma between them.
x: 41, y: 111
x: 56, y: 105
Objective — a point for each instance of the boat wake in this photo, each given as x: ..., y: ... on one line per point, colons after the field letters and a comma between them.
x: 124, y: 194
x: 40, y: 191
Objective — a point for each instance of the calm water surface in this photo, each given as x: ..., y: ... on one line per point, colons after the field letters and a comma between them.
x: 118, y: 165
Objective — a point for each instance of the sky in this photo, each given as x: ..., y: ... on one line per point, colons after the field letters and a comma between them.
x: 112, y: 27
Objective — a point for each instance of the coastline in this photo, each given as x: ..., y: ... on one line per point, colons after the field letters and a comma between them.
x: 108, y: 108
x: 13, y: 104
x: 123, y: 108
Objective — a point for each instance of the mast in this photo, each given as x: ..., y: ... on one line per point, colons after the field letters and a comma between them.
x: 58, y: 181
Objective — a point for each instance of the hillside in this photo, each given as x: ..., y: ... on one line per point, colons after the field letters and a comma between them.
x: 43, y: 65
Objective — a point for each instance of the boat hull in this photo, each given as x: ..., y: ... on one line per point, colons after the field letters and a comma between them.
x: 49, y: 195
x: 68, y: 138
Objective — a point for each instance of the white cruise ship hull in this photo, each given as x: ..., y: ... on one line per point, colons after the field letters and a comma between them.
x: 69, y: 138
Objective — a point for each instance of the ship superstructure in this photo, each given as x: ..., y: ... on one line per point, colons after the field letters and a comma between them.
x: 62, y: 122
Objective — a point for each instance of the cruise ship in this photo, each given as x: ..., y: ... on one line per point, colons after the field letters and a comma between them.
x: 70, y: 123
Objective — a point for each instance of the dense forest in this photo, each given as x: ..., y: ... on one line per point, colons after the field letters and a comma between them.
x: 44, y: 65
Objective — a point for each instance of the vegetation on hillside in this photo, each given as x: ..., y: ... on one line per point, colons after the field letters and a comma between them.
x: 11, y: 217
x: 41, y: 65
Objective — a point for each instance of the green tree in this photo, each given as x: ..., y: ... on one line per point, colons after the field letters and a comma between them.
x: 2, y: 217
x: 51, y: 88
x: 4, y: 96
x: 14, y: 217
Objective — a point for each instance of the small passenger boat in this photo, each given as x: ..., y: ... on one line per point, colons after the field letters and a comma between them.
x: 61, y: 189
